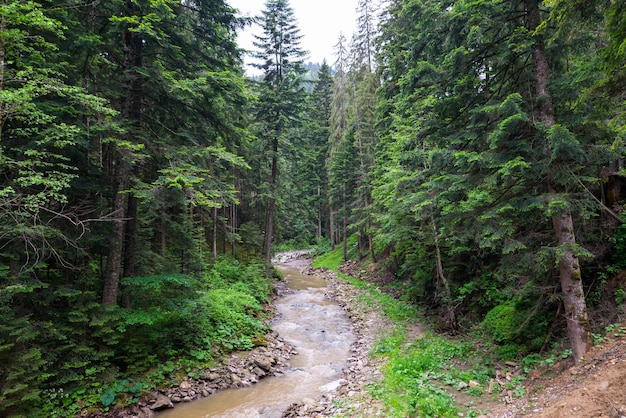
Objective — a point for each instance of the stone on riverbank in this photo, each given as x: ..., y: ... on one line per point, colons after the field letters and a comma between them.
x: 240, y: 369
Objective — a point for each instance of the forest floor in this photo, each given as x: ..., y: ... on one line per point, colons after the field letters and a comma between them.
x: 596, y: 387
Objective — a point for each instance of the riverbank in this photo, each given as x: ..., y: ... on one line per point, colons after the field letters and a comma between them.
x: 238, y: 370
x: 351, y: 398
x: 348, y: 397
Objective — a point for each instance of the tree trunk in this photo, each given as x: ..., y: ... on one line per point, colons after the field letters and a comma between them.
x: 345, y: 224
x: 578, y: 327
x: 130, y: 246
x: 449, y: 317
x: 331, y: 225
x: 215, y: 234
x: 233, y: 227
x: 269, y: 225
x: 163, y: 237
x: 116, y: 247
x: 131, y: 110
x: 370, y: 240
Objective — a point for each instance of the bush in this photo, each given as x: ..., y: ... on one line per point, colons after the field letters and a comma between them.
x: 517, y: 326
x: 501, y: 322
x: 74, y: 354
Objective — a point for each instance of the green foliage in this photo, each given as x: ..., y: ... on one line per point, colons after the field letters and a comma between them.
x: 58, y: 363
x: 502, y: 322
x: 329, y: 260
x: 410, y: 386
x: 619, y: 257
x: 517, y: 327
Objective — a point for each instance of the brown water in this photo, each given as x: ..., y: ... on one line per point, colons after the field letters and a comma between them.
x: 321, y: 333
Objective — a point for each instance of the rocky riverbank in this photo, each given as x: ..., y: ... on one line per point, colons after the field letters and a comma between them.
x: 345, y: 397
x: 351, y: 397
x: 238, y: 370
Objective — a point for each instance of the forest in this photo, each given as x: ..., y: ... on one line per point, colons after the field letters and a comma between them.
x: 470, y: 151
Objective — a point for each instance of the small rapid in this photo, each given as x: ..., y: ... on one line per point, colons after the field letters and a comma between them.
x: 321, y: 332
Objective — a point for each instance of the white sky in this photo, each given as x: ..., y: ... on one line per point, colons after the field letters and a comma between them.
x: 320, y: 22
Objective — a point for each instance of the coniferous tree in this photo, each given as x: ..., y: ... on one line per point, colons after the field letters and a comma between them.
x: 458, y: 113
x: 321, y: 99
x: 340, y: 151
x: 281, y: 94
x: 364, y: 83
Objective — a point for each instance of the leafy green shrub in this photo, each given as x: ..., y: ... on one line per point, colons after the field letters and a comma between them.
x: 501, y: 322
x: 517, y: 326
x: 224, y: 319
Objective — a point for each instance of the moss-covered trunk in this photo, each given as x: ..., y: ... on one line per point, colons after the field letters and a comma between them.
x: 578, y: 328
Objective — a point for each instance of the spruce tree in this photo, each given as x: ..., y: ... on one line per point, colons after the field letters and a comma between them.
x: 281, y: 94
x: 473, y: 151
x: 340, y: 151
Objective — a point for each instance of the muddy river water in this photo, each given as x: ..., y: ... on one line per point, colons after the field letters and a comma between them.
x: 321, y: 333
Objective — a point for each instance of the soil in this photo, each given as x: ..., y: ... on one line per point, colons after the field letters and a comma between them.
x: 596, y: 387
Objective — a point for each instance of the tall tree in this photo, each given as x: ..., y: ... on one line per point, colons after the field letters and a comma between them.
x: 338, y: 161
x: 578, y: 326
x: 181, y: 132
x: 321, y: 102
x: 364, y: 83
x: 42, y: 135
x: 281, y: 94
x: 462, y: 120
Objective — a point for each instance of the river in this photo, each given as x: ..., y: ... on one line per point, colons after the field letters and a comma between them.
x: 322, y: 335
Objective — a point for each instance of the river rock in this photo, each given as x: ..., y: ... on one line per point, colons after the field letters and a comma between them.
x: 213, y: 376
x: 333, y: 386
x: 259, y: 372
x: 263, y: 363
x: 162, y: 402
x: 145, y: 413
x: 235, y: 379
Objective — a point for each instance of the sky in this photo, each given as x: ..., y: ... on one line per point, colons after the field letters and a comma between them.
x: 320, y: 22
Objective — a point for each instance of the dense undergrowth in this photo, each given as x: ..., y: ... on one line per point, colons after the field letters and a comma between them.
x: 87, y: 357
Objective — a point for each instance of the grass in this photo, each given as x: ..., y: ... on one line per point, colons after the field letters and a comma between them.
x: 330, y: 260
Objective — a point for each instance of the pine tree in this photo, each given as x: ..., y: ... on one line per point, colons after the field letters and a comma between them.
x: 364, y: 83
x: 459, y: 118
x: 578, y: 326
x: 339, y: 150
x: 281, y: 93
